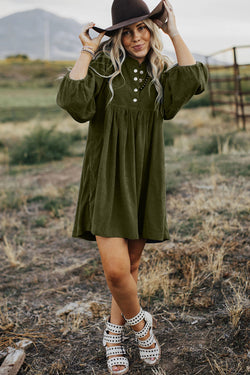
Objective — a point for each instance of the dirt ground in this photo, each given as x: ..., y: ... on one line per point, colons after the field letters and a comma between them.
x: 53, y: 289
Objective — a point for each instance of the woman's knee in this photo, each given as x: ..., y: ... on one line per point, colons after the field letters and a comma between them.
x: 115, y: 258
x: 117, y: 274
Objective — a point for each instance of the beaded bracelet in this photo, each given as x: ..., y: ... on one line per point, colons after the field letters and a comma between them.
x: 87, y: 49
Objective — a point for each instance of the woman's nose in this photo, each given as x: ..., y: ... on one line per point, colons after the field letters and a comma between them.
x: 136, y: 35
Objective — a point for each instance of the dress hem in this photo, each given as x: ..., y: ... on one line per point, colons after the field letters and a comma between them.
x: 91, y: 237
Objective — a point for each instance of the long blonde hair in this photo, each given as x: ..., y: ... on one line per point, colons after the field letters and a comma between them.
x: 157, y: 62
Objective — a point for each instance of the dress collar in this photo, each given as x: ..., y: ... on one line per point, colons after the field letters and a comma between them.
x: 133, y: 63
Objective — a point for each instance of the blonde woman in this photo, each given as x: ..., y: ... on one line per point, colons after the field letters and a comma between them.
x: 125, y: 88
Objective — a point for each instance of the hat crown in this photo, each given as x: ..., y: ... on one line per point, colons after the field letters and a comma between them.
x: 123, y: 10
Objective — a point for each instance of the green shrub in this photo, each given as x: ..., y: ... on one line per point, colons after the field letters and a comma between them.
x: 202, y: 100
x: 215, y: 143
x: 76, y: 135
x: 172, y: 130
x: 12, y: 199
x: 40, y: 222
x: 55, y: 205
x: 19, y: 114
x: 41, y: 146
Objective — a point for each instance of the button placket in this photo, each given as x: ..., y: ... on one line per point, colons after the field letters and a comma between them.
x: 136, y: 90
x: 138, y: 75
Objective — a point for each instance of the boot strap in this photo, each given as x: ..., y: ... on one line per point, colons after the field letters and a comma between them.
x: 136, y: 319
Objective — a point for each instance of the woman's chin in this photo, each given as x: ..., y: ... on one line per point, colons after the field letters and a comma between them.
x: 140, y: 55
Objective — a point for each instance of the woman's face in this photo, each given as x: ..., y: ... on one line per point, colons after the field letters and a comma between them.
x: 136, y: 40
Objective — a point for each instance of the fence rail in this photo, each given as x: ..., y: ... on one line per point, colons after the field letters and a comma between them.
x: 230, y: 91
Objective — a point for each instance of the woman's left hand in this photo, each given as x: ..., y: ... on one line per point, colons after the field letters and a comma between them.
x: 168, y: 27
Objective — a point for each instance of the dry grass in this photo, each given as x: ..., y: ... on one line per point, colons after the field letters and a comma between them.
x: 195, y: 284
x: 6, y: 322
x: 159, y: 371
x: 12, y: 253
x: 154, y: 279
x: 237, y: 303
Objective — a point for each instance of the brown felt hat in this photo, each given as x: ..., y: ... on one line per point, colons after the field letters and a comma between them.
x: 126, y: 12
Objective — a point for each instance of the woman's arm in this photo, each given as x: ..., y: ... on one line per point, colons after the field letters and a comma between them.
x: 80, y: 69
x: 183, y: 54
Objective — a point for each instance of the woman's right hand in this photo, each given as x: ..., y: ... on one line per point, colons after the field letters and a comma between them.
x: 87, y: 41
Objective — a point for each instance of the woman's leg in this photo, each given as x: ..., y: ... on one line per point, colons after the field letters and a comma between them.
x: 117, y: 269
x: 120, y: 254
x: 135, y: 248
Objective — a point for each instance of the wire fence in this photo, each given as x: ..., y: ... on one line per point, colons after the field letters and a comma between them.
x: 229, y: 83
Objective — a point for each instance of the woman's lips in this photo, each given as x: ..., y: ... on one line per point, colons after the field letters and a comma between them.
x: 139, y: 47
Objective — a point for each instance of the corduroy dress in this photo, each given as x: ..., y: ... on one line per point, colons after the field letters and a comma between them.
x: 123, y: 183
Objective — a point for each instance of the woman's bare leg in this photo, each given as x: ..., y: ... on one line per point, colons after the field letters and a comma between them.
x: 116, y: 264
x: 135, y: 248
x: 114, y: 253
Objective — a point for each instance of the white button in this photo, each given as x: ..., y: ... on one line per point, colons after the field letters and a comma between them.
x: 135, y: 79
x: 135, y: 100
x: 135, y: 90
x: 140, y: 80
x: 135, y: 70
x: 141, y: 72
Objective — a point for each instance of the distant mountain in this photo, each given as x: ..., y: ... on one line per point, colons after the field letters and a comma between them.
x: 43, y: 35
x: 40, y: 35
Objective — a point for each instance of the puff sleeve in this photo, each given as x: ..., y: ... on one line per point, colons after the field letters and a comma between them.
x: 78, y: 97
x: 180, y: 83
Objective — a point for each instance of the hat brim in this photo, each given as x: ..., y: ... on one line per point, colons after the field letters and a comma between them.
x: 159, y: 12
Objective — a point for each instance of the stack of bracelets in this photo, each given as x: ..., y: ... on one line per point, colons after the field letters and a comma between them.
x: 89, y: 50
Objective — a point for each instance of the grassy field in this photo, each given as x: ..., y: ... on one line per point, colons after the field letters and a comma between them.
x: 52, y: 288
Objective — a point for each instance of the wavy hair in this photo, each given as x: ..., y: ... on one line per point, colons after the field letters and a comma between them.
x: 157, y: 62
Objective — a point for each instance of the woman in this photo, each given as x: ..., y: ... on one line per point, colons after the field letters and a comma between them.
x: 125, y: 88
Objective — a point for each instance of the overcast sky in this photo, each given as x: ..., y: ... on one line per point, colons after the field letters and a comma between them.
x: 206, y: 26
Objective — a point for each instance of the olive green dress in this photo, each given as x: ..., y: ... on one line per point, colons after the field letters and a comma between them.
x: 123, y: 184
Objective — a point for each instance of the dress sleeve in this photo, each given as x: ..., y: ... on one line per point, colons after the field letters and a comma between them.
x: 78, y: 97
x: 180, y: 83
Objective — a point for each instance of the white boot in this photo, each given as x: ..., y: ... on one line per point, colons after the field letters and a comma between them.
x: 150, y: 356
x: 113, y: 334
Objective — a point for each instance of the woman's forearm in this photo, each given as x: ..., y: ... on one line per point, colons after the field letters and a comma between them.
x: 80, y: 69
x: 183, y: 54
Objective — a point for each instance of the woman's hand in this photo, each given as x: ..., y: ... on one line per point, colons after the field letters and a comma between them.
x: 87, y: 41
x: 168, y: 27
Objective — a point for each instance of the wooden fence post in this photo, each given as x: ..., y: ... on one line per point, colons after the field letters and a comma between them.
x: 239, y: 98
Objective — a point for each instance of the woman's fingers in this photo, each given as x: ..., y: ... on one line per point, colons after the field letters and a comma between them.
x: 170, y: 26
x: 168, y: 6
x: 101, y: 35
x: 87, y: 40
x: 86, y: 28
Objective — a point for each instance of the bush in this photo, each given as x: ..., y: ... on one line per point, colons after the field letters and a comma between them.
x: 17, y: 57
x: 202, y: 100
x: 55, y: 205
x: 41, y: 146
x: 19, y: 114
x: 215, y: 144
x: 172, y: 130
